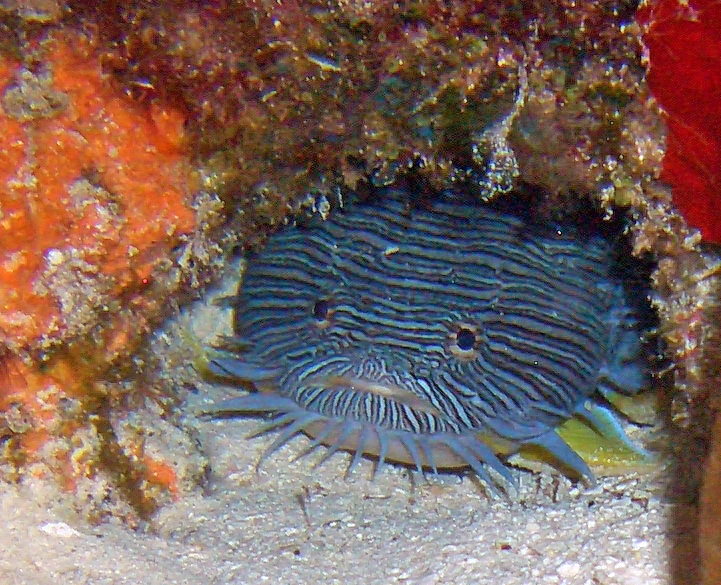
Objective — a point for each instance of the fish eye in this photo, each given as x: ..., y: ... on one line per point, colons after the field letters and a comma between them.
x: 321, y: 308
x: 465, y: 339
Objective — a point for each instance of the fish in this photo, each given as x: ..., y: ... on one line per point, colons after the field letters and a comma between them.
x: 443, y: 336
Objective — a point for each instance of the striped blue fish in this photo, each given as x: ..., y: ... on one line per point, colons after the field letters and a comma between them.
x: 443, y: 337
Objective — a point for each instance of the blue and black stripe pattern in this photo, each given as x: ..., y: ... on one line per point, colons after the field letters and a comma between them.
x: 438, y: 337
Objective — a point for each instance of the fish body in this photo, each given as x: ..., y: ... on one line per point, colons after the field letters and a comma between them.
x: 441, y: 337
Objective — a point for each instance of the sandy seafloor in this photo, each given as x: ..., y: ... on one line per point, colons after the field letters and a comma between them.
x: 288, y: 523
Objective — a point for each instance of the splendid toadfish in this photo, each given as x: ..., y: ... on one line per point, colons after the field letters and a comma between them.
x: 447, y: 336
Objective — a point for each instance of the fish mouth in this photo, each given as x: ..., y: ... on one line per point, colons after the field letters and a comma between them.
x: 265, y: 379
x: 394, y: 392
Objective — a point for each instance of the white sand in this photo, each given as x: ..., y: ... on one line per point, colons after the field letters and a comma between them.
x: 287, y: 524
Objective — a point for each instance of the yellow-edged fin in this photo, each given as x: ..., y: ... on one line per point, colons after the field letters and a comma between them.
x: 201, y: 354
x: 202, y: 358
x: 641, y: 408
x: 395, y: 393
x: 497, y: 444
x: 607, y: 452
